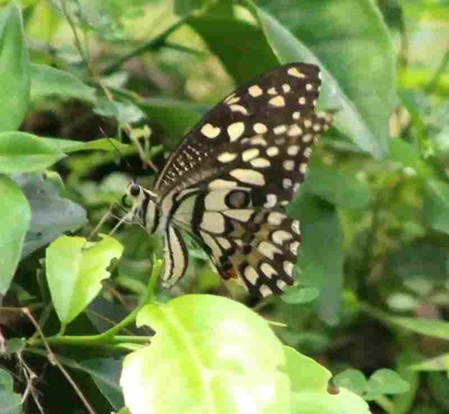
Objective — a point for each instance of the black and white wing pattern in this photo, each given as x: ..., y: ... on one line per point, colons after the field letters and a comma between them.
x: 230, y: 179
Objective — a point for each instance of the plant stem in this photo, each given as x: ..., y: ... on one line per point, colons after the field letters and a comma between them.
x: 109, y: 336
x: 152, y: 45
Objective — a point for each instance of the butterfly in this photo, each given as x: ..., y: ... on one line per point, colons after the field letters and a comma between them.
x: 229, y: 181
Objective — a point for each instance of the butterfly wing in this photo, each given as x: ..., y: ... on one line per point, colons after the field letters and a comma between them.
x: 229, y: 180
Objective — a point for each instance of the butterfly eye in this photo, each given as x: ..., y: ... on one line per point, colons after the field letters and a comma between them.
x: 134, y: 190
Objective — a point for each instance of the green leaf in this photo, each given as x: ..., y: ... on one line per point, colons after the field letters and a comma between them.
x: 385, y: 381
x: 300, y: 294
x: 10, y: 402
x: 309, y: 383
x: 343, y: 189
x: 102, y: 144
x: 15, y: 218
x: 436, y: 205
x: 428, y: 327
x: 357, y: 60
x: 405, y: 154
x: 75, y: 268
x: 439, y: 363
x: 14, y: 69
x: 124, y: 112
x: 46, y: 80
x: 352, y: 379
x: 6, y: 381
x: 51, y: 215
x: 105, y: 372
x: 212, y: 363
x: 320, y: 258
x: 176, y: 117
x: 22, y: 152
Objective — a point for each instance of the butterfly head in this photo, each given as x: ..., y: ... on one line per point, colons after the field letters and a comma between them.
x: 143, y: 207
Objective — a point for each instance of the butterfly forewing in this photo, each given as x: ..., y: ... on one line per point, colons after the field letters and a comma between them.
x: 229, y: 180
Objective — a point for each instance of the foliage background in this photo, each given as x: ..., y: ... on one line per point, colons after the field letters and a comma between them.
x: 372, y: 273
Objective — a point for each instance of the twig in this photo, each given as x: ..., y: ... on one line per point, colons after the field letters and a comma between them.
x: 54, y: 361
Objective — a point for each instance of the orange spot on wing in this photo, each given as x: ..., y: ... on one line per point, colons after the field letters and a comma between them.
x: 231, y: 273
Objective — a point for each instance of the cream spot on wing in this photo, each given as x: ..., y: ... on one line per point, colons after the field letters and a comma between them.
x: 235, y: 130
x: 307, y: 123
x: 239, y: 108
x: 265, y: 291
x: 280, y: 284
x: 287, y: 183
x: 210, y: 241
x: 272, y: 91
x: 277, y: 101
x: 294, y: 131
x: 307, y: 137
x: 209, y: 131
x: 232, y: 100
x: 215, y: 200
x: 280, y: 129
x: 303, y: 168
x: 213, y: 222
x: 268, y: 249
x: 260, y: 128
x: 316, y: 127
x: 302, y: 100
x: 295, y: 187
x: 295, y: 226
x: 225, y: 157
x: 286, y: 88
x: 240, y: 215
x: 280, y: 236
x: 221, y: 184
x: 224, y: 243
x: 255, y: 91
x: 260, y: 163
x: 271, y: 200
x: 258, y: 141
x: 296, y: 115
x: 309, y: 87
x: 295, y: 72
x: 272, y: 151
x: 251, y: 275
x: 248, y: 176
x: 289, y: 165
x: 268, y: 270
x: 275, y: 218
x: 288, y: 267
x: 250, y: 154
x: 307, y: 152
x: 294, y: 247
x: 293, y: 150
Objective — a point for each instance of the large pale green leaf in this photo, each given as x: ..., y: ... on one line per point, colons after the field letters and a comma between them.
x: 46, y: 80
x: 309, y: 383
x: 428, y: 327
x: 320, y: 259
x: 385, y: 381
x: 14, y: 221
x: 51, y: 215
x: 209, y: 354
x: 22, y: 152
x: 14, y: 69
x: 348, y: 40
x: 75, y: 269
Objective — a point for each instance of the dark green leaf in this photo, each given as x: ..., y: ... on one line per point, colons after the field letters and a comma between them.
x: 46, y: 80
x: 22, y: 152
x: 357, y: 60
x: 385, y: 381
x: 436, y: 205
x: 102, y: 144
x: 320, y: 257
x: 405, y: 154
x: 6, y: 381
x: 106, y: 375
x: 51, y: 215
x: 343, y: 189
x: 14, y: 221
x: 124, y: 112
x: 299, y: 294
x: 14, y: 69
x: 428, y: 327
x: 9, y: 402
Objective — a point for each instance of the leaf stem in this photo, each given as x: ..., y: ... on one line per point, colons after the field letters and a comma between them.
x: 110, y: 336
